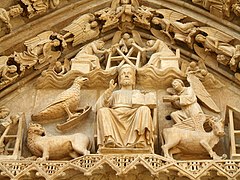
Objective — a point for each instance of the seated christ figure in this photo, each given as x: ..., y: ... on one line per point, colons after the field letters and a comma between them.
x: 120, y: 123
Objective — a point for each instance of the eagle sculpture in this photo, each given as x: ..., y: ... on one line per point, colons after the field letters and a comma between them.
x: 65, y: 104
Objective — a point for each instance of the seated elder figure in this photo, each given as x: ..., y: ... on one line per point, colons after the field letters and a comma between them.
x: 120, y: 123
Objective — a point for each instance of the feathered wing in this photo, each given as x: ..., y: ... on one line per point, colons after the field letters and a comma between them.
x: 39, y: 39
x: 81, y: 29
x: 116, y: 38
x: 171, y: 15
x: 78, y: 24
x: 137, y: 38
x: 201, y: 64
x: 159, y: 34
x: 86, y: 35
x: 64, y: 96
x: 221, y: 36
x: 208, y: 57
x: 202, y: 93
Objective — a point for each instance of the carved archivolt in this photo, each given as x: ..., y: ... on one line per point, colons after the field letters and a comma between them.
x: 127, y: 46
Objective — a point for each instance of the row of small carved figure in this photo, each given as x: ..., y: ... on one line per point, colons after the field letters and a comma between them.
x: 223, y: 8
x: 50, y: 48
x: 31, y: 7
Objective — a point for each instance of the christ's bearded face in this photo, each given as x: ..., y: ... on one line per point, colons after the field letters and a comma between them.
x: 125, y: 1
x: 127, y: 77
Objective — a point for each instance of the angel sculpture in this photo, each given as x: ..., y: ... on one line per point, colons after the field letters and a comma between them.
x: 44, y: 48
x: 190, y: 116
x: 88, y: 54
x: 126, y: 40
x: 200, y: 71
x: 82, y: 29
x: 7, y: 72
x: 59, y: 68
x: 170, y: 24
x: 125, y: 43
x: 234, y: 62
x: 110, y: 18
x: 159, y: 49
x: 125, y: 9
x: 216, y: 7
x: 215, y: 41
x: 143, y: 17
x: 128, y: 46
x: 35, y: 7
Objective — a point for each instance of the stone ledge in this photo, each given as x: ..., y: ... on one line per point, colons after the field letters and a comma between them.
x: 121, y: 164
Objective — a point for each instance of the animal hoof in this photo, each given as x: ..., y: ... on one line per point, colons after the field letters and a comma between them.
x: 86, y: 152
x: 224, y: 156
x: 41, y: 159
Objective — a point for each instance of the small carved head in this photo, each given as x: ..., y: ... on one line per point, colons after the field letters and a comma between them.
x: 204, y: 72
x: 221, y: 57
x: 217, y: 126
x: 178, y: 84
x: 155, y: 20
x: 193, y: 64
x: 12, y: 69
x: 14, y: 119
x: 94, y: 24
x: 36, y: 129
x: 200, y: 38
x: 80, y: 80
x: 56, y: 42
x: 150, y: 43
x: 126, y: 36
x: 127, y: 76
x: 58, y: 64
x: 99, y: 44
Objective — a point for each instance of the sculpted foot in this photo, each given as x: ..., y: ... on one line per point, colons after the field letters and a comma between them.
x: 86, y: 152
x: 41, y: 159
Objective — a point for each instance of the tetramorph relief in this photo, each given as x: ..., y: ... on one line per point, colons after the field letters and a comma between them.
x: 47, y: 147
x: 66, y: 104
x: 190, y: 120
